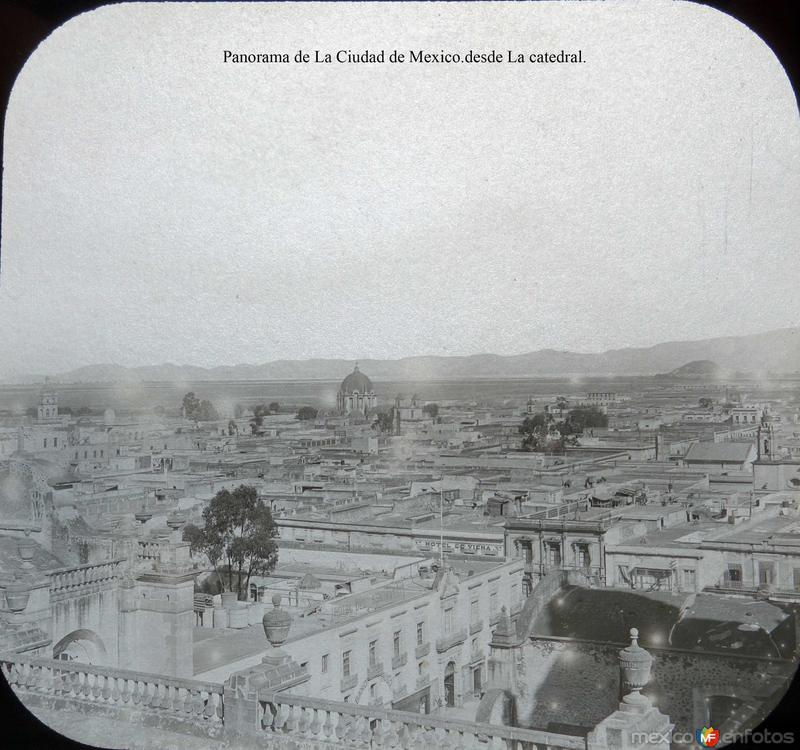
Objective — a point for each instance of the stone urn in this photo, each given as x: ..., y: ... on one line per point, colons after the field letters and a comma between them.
x: 634, y: 668
x: 276, y: 623
x: 143, y: 516
x: 17, y: 594
x: 26, y: 547
x: 175, y: 522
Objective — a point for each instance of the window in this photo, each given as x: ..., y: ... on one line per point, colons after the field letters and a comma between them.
x: 733, y: 574
x: 554, y: 554
x: 101, y: 453
x: 449, y: 620
x: 347, y: 699
x: 396, y: 643
x: 582, y: 555
x: 45, y: 443
x: 372, y: 691
x: 373, y: 646
x: 55, y: 442
x: 493, y: 604
x: 346, y: 664
x: 765, y: 572
x: 474, y: 611
x: 324, y: 663
x: 420, y: 633
x: 689, y: 578
x: 86, y: 454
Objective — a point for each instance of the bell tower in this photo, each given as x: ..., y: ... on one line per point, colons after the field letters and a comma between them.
x: 48, y: 407
x: 766, y: 436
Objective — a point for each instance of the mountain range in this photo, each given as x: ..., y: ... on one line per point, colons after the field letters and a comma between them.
x: 774, y: 351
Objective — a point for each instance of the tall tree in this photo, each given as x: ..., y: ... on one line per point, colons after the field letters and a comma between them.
x: 237, y: 536
x: 432, y: 410
x: 306, y: 413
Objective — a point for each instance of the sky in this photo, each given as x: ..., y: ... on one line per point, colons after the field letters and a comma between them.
x: 162, y: 205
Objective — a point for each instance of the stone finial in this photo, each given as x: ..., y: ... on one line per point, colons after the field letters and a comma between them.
x: 504, y: 634
x: 18, y: 593
x: 276, y: 623
x: 634, y: 664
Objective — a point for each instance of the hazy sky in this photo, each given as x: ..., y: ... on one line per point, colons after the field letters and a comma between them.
x: 161, y: 205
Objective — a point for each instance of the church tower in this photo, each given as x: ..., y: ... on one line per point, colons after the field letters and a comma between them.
x: 48, y: 407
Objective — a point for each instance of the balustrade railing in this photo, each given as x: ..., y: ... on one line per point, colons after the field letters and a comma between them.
x: 199, y: 702
x: 354, y: 726
x: 67, y: 580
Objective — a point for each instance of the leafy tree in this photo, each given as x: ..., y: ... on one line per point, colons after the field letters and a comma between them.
x: 384, y: 421
x: 207, y: 412
x: 586, y: 416
x: 232, y: 427
x: 199, y: 411
x: 541, y: 434
x: 706, y: 403
x: 432, y: 410
x: 306, y: 413
x: 190, y: 405
x: 274, y: 407
x: 237, y: 537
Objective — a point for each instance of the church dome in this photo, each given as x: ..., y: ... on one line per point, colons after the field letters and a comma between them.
x: 356, y: 381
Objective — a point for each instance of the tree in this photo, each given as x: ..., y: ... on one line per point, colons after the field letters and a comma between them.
x: 199, y: 411
x: 306, y: 413
x: 586, y: 416
x: 274, y: 407
x: 384, y: 421
x: 190, y: 405
x: 237, y: 537
x: 232, y: 427
x: 432, y: 410
x: 706, y: 403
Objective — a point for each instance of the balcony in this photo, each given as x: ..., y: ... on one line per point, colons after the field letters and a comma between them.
x: 475, y: 627
x: 450, y: 640
x: 374, y: 670
x: 399, y: 660
x: 348, y: 683
x: 422, y: 650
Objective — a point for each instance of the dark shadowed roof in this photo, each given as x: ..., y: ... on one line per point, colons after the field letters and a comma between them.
x: 735, y: 452
x: 705, y: 622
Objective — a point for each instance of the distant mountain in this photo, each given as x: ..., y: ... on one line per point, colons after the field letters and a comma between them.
x: 774, y: 351
x: 697, y: 368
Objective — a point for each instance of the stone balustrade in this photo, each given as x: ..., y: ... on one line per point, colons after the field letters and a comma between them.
x: 308, y: 721
x: 116, y: 692
x: 149, y: 550
x: 72, y: 580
